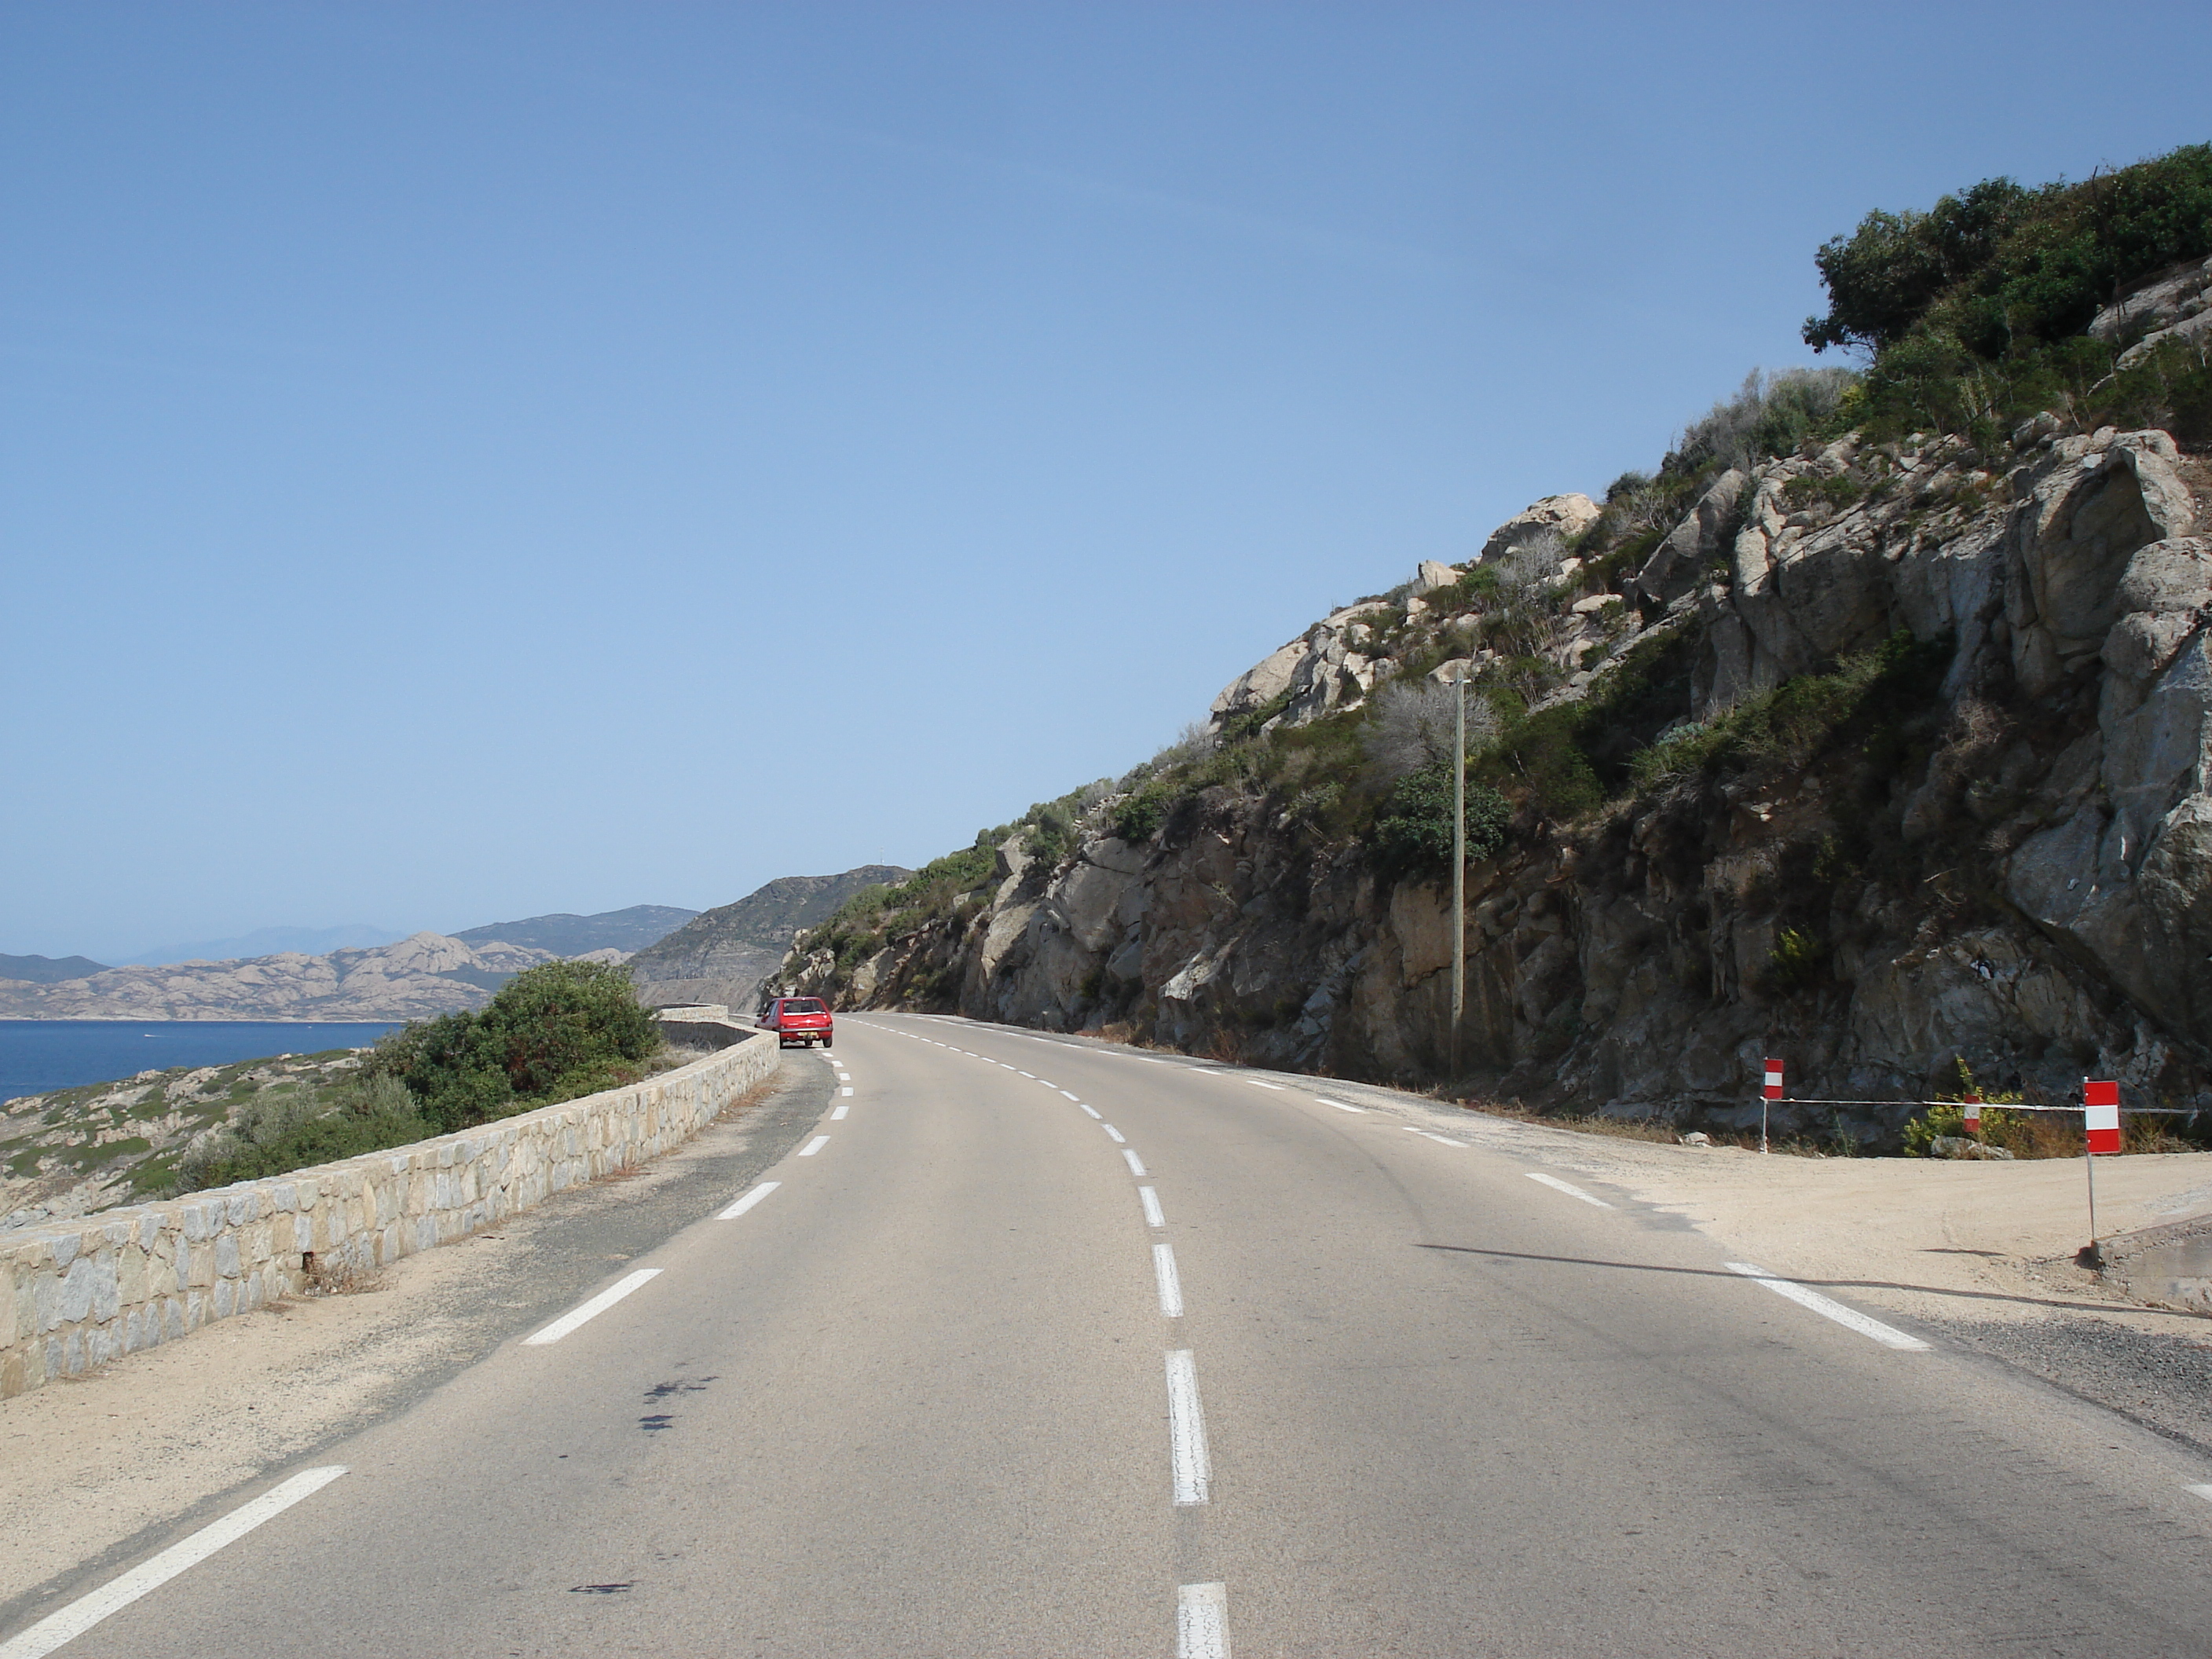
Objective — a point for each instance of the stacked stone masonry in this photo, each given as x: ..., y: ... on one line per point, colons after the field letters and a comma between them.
x: 77, y: 1294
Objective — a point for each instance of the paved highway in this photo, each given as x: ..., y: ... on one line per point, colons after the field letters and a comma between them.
x: 1039, y: 1347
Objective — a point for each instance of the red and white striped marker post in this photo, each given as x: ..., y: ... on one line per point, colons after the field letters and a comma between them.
x: 1972, y: 1105
x: 2100, y: 1135
x: 1770, y: 1093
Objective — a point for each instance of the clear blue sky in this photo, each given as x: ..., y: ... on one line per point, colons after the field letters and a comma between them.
x: 462, y: 461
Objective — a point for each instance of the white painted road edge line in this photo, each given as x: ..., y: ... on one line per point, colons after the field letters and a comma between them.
x: 838, y: 1116
x: 591, y: 1309
x: 1118, y: 1136
x: 1256, y: 1084
x: 1560, y: 1186
x: 1151, y: 1200
x: 814, y: 1146
x: 82, y: 1614
x: 748, y: 1201
x: 1338, y: 1104
x: 1186, y: 1458
x: 1164, y: 1269
x: 1202, y: 1621
x: 1888, y: 1335
x: 1136, y: 1164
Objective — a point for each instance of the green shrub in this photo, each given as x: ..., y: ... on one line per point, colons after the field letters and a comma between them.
x: 545, y: 1029
x: 1973, y: 313
x: 276, y: 1135
x: 1139, y: 815
x: 1414, y: 835
x: 1799, y: 959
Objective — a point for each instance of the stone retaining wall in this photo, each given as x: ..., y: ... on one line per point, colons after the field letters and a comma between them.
x: 78, y: 1293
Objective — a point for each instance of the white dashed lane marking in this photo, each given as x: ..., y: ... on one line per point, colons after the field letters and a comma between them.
x: 1136, y: 1164
x: 1338, y: 1104
x: 838, y: 1116
x: 1170, y: 1283
x: 1191, y: 1470
x: 748, y: 1201
x: 1560, y: 1186
x: 591, y: 1309
x: 814, y: 1146
x: 1888, y: 1335
x: 1119, y: 1139
x: 82, y: 1614
x: 1151, y: 1200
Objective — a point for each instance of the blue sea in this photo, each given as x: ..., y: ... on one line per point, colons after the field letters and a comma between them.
x: 39, y: 1055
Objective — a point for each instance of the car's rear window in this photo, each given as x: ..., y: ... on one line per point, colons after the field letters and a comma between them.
x: 802, y: 1005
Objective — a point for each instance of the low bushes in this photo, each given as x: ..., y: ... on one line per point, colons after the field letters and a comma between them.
x: 555, y: 1032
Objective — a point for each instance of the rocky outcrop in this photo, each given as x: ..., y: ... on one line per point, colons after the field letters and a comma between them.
x: 1562, y: 517
x: 720, y: 955
x: 2013, y: 865
x: 427, y: 973
x: 2175, y: 306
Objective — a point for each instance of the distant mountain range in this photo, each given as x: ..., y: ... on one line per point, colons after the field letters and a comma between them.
x: 267, y: 942
x: 48, y: 970
x: 721, y: 955
x: 294, y: 973
x: 565, y: 935
x: 427, y: 973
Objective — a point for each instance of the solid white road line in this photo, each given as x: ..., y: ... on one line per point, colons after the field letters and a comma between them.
x: 814, y: 1146
x: 1187, y: 1460
x: 1887, y: 1335
x: 838, y: 1116
x: 1092, y: 1111
x: 1136, y: 1164
x: 748, y: 1201
x: 1256, y: 1084
x: 1151, y: 1200
x: 1164, y: 1269
x: 591, y: 1309
x: 82, y: 1614
x: 1338, y: 1104
x: 1119, y: 1138
x: 1202, y: 1621
x: 1560, y: 1186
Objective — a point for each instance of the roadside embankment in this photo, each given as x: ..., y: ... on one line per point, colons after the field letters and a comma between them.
x: 76, y: 1294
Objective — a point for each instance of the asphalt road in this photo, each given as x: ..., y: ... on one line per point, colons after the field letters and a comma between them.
x: 1039, y: 1347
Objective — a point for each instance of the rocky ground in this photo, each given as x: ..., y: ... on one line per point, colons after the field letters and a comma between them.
x: 71, y: 1152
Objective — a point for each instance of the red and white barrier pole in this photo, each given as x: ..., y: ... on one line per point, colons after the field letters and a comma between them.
x: 1772, y: 1091
x: 1972, y: 1105
x: 2101, y: 1136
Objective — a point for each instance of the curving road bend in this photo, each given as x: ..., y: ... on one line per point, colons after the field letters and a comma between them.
x: 1039, y: 1346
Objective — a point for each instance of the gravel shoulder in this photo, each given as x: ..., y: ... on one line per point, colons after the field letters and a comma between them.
x: 115, y: 1461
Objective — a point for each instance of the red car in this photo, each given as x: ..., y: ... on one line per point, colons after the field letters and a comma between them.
x: 797, y: 1019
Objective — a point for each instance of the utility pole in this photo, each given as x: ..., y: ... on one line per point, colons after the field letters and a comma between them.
x: 1459, y: 870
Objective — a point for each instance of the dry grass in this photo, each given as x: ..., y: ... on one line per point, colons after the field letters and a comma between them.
x: 1621, y: 1128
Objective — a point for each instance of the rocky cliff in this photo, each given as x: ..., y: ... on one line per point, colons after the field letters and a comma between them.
x: 1873, y: 756
x: 720, y: 955
x: 426, y: 974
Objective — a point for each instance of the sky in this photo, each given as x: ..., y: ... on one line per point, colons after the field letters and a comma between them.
x: 463, y: 461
